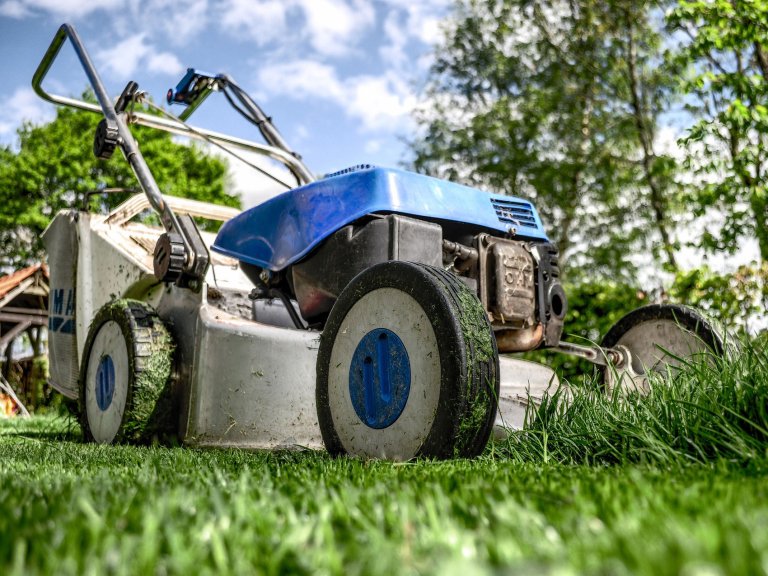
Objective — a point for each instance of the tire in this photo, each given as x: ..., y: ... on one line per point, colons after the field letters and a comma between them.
x: 659, y: 337
x: 407, y: 367
x: 125, y: 376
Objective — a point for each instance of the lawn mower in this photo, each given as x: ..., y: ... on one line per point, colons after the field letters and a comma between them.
x: 364, y: 311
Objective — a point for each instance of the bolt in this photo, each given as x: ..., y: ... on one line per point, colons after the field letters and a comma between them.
x: 616, y: 358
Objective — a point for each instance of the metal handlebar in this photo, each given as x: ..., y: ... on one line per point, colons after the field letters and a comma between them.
x: 174, y: 127
x: 114, y: 121
x: 68, y: 31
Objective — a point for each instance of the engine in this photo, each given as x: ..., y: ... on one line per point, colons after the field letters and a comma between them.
x: 517, y: 280
x: 518, y: 283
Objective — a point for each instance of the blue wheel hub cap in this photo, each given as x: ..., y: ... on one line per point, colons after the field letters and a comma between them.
x: 380, y: 378
x: 105, y: 382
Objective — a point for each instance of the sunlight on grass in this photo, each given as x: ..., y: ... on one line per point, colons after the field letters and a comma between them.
x: 715, y: 408
x: 670, y: 484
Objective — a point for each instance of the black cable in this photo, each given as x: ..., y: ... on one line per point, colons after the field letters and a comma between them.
x: 264, y: 123
x: 241, y: 111
x: 263, y: 291
x: 269, y: 131
x: 212, y: 142
x: 274, y: 292
x: 243, y: 95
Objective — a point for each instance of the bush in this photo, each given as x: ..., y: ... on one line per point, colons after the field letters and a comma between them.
x: 737, y: 299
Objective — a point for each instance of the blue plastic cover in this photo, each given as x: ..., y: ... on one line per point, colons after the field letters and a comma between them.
x: 284, y: 229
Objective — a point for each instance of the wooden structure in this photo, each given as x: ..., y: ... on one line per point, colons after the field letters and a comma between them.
x: 23, y: 308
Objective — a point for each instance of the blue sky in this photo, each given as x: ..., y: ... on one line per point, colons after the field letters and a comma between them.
x: 339, y: 77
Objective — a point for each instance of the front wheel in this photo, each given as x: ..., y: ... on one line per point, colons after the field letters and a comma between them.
x: 124, y: 376
x: 658, y: 338
x: 407, y: 367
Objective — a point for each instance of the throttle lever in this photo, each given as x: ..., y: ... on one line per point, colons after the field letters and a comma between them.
x: 126, y: 97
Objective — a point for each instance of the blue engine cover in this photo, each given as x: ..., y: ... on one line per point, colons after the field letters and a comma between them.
x: 284, y: 229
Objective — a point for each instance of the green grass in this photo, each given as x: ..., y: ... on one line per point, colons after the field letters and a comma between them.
x: 713, y: 409
x: 673, y: 484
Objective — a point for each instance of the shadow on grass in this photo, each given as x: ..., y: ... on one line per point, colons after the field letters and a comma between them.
x: 45, y: 427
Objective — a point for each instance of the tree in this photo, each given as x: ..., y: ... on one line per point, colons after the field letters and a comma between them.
x: 644, y: 90
x: 735, y: 299
x: 557, y: 101
x: 725, y: 47
x: 55, y: 169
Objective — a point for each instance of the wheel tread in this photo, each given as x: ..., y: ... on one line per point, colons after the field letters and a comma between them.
x: 466, y: 413
x: 482, y: 369
x: 148, y: 411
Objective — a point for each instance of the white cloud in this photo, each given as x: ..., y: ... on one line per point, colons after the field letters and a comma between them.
x: 122, y: 60
x: 300, y: 133
x: 61, y: 8
x: 331, y: 27
x: 164, y: 63
x: 334, y: 27
x: 125, y: 57
x: 422, y: 19
x: 14, y: 9
x: 301, y: 79
x: 262, y: 21
x: 381, y: 103
x: 407, y: 25
x: 394, y: 52
x: 373, y: 146
x: 23, y: 104
x: 177, y: 20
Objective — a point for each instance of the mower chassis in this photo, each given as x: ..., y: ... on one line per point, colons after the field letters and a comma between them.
x: 237, y: 382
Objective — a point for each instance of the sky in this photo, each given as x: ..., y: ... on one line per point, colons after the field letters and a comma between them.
x: 339, y: 77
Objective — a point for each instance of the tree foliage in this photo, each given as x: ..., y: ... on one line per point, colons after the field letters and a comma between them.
x: 54, y: 169
x: 725, y: 50
x: 734, y: 299
x: 564, y: 102
x: 559, y: 102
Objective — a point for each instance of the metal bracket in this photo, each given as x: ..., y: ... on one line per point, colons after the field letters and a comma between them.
x: 617, y: 363
x: 192, y: 90
x: 595, y: 354
x: 200, y: 257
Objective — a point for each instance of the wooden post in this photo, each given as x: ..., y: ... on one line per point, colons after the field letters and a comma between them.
x: 8, y: 359
x: 34, y: 338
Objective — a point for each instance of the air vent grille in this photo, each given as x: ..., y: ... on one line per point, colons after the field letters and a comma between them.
x: 514, y: 212
x: 349, y: 170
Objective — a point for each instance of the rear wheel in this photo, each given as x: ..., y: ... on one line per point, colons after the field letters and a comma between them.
x: 658, y: 338
x: 407, y: 367
x: 124, y: 376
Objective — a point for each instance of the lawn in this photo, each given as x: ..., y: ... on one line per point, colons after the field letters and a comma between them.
x: 665, y: 485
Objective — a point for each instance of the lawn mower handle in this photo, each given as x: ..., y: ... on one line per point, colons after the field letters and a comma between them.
x: 115, y: 122
x: 152, y: 121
